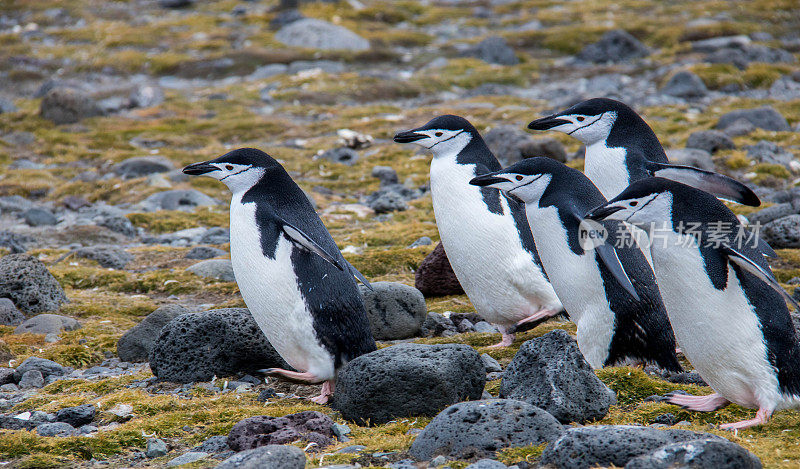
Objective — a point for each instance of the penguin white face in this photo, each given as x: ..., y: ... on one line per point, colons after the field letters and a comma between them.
x: 439, y: 141
x: 238, y: 177
x: 649, y: 211
x: 525, y: 188
x: 589, y: 129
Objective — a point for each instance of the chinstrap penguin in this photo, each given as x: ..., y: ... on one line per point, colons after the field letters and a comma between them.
x: 609, y: 292
x: 295, y: 282
x: 727, y: 309
x: 485, y: 234
x: 621, y: 149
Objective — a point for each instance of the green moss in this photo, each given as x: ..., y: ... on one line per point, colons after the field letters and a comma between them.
x: 168, y: 221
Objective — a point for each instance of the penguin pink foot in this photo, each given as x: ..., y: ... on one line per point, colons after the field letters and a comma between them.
x: 327, y: 392
x: 538, y: 316
x: 296, y: 376
x: 708, y: 403
x: 762, y: 416
x: 507, y: 339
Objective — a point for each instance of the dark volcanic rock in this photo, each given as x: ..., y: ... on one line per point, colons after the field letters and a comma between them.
x: 766, y: 118
x: 549, y: 147
x: 506, y: 143
x: 110, y: 257
x: 341, y: 155
x: 494, y: 50
x: 9, y: 314
x: 435, y: 276
x: 142, y: 166
x: 67, y: 106
x: 395, y: 311
x: 136, y: 344
x: 221, y: 342
x: 769, y: 152
x: 710, y: 141
x: 783, y: 232
x: 437, y: 325
x: 39, y: 217
x: 685, y: 85
x: 408, y: 380
x: 47, y: 324
x: 267, y: 457
x: 691, y: 157
x: 697, y: 454
x: 604, y: 445
x: 17, y: 243
x: 76, y: 416
x: 204, y: 252
x: 44, y: 366
x: 309, y: 426
x: 551, y: 373
x: 471, y: 430
x: 26, y: 281
x: 615, y: 46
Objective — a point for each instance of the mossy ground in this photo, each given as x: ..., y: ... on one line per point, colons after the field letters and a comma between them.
x: 312, y: 106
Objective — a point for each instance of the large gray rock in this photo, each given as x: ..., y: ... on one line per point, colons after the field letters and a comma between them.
x: 494, y: 50
x: 773, y: 212
x: 204, y: 252
x: 65, y: 105
x: 9, y: 314
x: 697, y: 454
x: 782, y: 233
x: 39, y: 217
x: 549, y: 147
x: 691, y: 157
x: 604, y: 445
x: 470, y: 430
x: 220, y: 269
x: 142, y: 166
x: 312, y: 33
x: 178, y: 199
x: 506, y: 142
x: 61, y: 429
x: 308, y: 426
x: 710, y: 141
x: 47, y: 324
x: 766, y: 118
x: 724, y: 42
x: 395, y: 310
x: 408, y: 380
x: 267, y: 457
x: 551, y: 373
x: 221, y: 342
x: 43, y: 365
x: 435, y: 276
x: 110, y: 257
x: 136, y: 344
x: 77, y: 416
x: 26, y: 281
x: 342, y: 155
x: 769, y: 152
x: 614, y: 46
x: 685, y: 85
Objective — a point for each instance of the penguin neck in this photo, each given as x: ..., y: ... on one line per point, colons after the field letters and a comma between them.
x: 632, y: 133
x: 277, y: 190
x: 472, y: 150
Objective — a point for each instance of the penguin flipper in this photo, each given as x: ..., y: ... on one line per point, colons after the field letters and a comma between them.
x: 763, y: 274
x: 301, y: 240
x: 358, y: 275
x: 765, y: 248
x: 717, y: 184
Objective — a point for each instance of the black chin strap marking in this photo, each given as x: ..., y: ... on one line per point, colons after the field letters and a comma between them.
x: 451, y: 138
x: 234, y: 174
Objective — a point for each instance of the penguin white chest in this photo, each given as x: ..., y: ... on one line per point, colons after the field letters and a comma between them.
x: 717, y: 330
x: 606, y: 168
x: 577, y: 282
x: 269, y: 287
x: 500, y: 277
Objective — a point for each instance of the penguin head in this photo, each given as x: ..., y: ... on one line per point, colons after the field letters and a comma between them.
x: 239, y: 169
x: 443, y: 135
x: 589, y: 121
x: 646, y: 204
x: 525, y: 181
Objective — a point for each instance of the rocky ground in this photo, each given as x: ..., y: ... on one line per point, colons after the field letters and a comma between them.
x: 114, y: 263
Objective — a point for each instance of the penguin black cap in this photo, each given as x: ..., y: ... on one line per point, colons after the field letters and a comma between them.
x: 444, y: 122
x: 590, y: 107
x: 252, y: 157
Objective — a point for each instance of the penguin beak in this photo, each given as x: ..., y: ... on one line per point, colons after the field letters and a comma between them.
x: 409, y: 136
x: 487, y: 180
x: 602, y: 212
x: 198, y: 169
x: 546, y: 123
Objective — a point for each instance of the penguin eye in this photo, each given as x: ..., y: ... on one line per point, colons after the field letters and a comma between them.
x: 438, y: 134
x: 634, y: 203
x: 520, y: 178
x: 580, y: 118
x: 229, y: 167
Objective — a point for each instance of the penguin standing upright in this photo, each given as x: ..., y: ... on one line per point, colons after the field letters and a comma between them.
x: 727, y: 309
x: 621, y: 149
x: 295, y: 282
x: 620, y: 319
x: 484, y: 234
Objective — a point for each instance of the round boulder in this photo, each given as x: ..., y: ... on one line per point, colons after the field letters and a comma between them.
x: 26, y: 281
x: 9, y: 314
x: 783, y: 232
x: 407, y: 380
x: 395, y: 311
x: 309, y: 426
x: 312, y: 33
x: 64, y: 105
x: 277, y: 456
x: 471, y: 430
x: 136, y: 344
x: 47, y: 324
x: 221, y: 342
x: 697, y: 454
x: 550, y: 372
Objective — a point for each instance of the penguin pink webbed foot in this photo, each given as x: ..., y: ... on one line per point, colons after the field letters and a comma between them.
x: 707, y: 403
x: 537, y: 316
x: 325, y: 395
x: 296, y: 376
x: 507, y: 340
x: 762, y: 416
